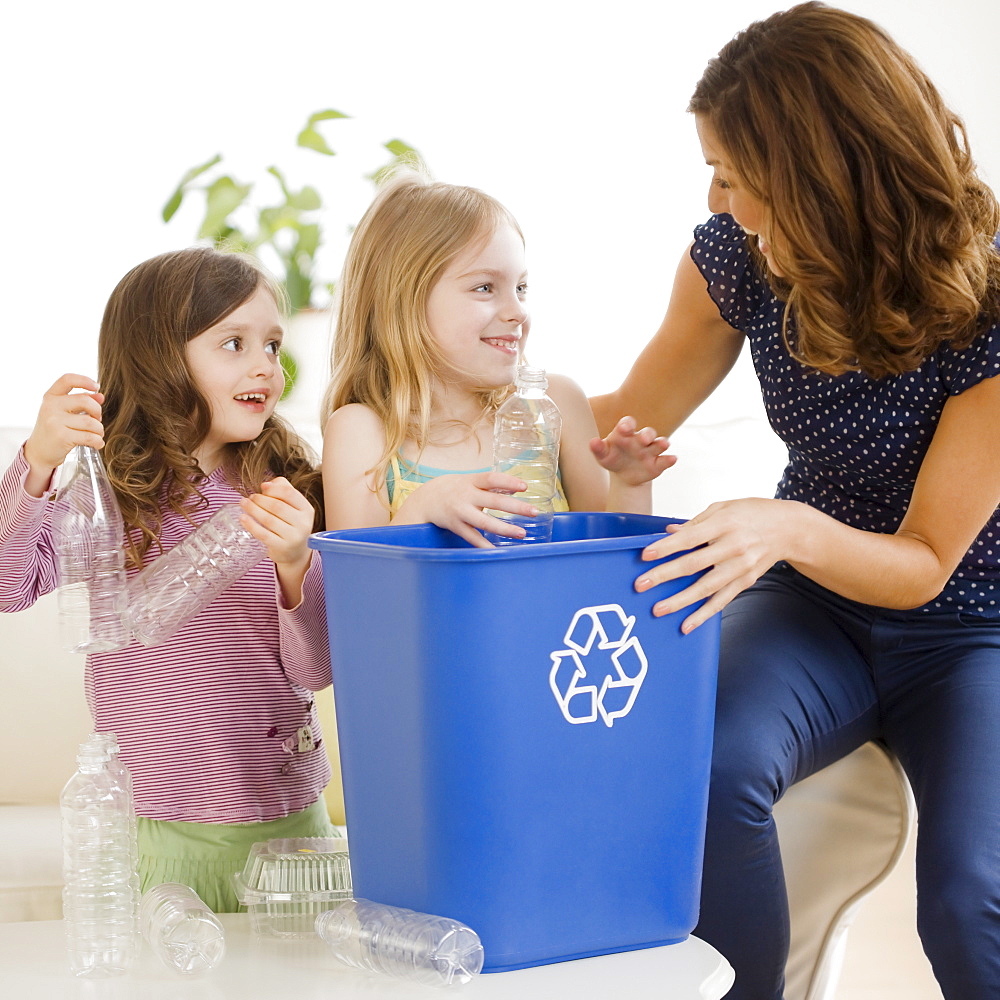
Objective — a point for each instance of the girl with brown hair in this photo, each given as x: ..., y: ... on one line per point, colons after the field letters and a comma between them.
x: 217, y: 725
x: 853, y: 246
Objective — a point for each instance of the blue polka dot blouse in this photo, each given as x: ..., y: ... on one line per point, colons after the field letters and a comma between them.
x: 855, y: 444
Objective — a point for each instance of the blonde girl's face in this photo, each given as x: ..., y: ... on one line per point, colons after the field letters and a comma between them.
x: 476, y: 309
x: 235, y: 366
x: 729, y: 194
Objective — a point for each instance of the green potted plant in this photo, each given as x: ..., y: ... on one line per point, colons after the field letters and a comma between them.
x: 285, y: 228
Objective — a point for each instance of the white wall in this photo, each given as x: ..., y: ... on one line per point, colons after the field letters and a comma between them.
x: 572, y: 113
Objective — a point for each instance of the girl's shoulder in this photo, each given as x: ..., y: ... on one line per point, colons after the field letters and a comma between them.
x: 563, y: 388
x: 355, y: 419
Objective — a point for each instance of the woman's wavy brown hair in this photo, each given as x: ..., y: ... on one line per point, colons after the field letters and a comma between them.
x: 153, y: 415
x: 884, y: 229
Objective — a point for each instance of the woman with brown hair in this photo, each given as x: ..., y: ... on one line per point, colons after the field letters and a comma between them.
x: 854, y: 247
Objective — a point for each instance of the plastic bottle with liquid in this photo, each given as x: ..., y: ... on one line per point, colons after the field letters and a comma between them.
x: 181, y: 929
x: 526, y: 436
x: 177, y: 585
x: 100, y: 885
x: 376, y: 937
x: 88, y: 536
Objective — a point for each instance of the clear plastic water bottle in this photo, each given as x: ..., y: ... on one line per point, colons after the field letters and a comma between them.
x: 526, y: 444
x: 122, y: 777
x: 177, y: 585
x: 100, y: 885
x: 88, y: 536
x: 182, y: 931
x: 376, y: 937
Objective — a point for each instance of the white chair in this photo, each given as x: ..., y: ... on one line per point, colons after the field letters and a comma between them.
x: 842, y: 831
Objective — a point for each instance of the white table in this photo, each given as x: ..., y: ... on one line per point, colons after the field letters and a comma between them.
x: 33, y: 965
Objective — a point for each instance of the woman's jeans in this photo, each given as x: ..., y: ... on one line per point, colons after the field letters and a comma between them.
x: 805, y: 678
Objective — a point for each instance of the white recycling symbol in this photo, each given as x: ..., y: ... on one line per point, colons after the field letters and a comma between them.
x: 583, y: 696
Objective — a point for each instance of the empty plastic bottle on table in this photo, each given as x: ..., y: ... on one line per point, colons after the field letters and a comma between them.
x: 122, y: 777
x: 183, y: 932
x: 88, y: 536
x: 376, y: 937
x: 526, y: 444
x: 177, y: 585
x: 100, y: 884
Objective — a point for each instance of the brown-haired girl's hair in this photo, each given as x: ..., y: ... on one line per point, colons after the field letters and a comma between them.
x: 384, y: 355
x: 884, y: 230
x: 153, y: 415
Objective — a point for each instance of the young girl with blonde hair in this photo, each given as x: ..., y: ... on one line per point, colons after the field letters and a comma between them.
x: 430, y: 330
x: 217, y: 725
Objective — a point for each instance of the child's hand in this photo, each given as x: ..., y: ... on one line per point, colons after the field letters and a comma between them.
x: 281, y: 518
x: 65, y: 419
x: 635, y: 456
x: 457, y: 502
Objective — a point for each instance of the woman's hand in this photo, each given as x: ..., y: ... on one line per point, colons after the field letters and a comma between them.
x: 458, y: 502
x: 281, y: 518
x: 735, y: 542
x: 635, y: 456
x: 65, y: 419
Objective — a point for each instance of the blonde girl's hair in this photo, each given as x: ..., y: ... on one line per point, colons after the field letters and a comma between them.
x: 884, y: 231
x: 384, y: 355
x: 153, y: 414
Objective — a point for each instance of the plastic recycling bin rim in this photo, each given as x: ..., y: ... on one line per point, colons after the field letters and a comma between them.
x: 355, y: 540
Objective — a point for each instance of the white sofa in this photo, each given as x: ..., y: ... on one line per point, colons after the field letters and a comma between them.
x: 841, y: 831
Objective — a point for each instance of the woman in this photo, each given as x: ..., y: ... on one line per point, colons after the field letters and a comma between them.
x: 854, y: 246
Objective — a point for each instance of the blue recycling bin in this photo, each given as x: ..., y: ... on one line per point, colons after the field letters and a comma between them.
x: 524, y: 747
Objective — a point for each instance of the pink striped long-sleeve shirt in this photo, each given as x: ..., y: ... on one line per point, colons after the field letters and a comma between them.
x: 217, y: 725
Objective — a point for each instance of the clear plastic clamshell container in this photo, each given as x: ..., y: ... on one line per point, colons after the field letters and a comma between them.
x: 285, y: 884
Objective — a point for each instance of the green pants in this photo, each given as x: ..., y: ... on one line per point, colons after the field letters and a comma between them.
x: 205, y: 856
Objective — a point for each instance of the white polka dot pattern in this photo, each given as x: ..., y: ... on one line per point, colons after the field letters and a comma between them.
x: 855, y: 444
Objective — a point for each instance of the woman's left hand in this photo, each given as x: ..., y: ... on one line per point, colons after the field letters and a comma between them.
x: 734, y: 542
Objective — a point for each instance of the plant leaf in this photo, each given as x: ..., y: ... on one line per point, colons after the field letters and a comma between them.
x: 174, y: 201
x: 222, y: 197
x: 306, y: 200
x: 308, y: 242
x: 311, y: 139
x: 275, y: 172
x: 291, y: 370
x: 402, y: 153
x: 322, y: 116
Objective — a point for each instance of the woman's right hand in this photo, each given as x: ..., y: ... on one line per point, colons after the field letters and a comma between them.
x: 65, y: 419
x: 459, y: 501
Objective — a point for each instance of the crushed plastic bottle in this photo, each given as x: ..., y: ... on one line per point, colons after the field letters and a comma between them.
x: 182, y: 931
x: 395, y: 941
x: 177, y: 585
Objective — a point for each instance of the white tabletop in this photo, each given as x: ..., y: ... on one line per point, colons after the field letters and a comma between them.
x: 33, y: 964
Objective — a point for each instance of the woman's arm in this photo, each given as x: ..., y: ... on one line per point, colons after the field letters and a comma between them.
x: 956, y: 491
x: 688, y: 357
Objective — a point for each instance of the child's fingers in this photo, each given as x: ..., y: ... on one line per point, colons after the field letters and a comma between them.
x: 600, y: 448
x: 65, y: 384
x: 498, y: 482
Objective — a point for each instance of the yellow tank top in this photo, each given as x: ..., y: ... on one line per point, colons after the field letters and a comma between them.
x: 402, y: 478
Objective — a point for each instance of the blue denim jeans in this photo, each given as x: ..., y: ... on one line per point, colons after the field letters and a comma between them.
x: 806, y: 677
